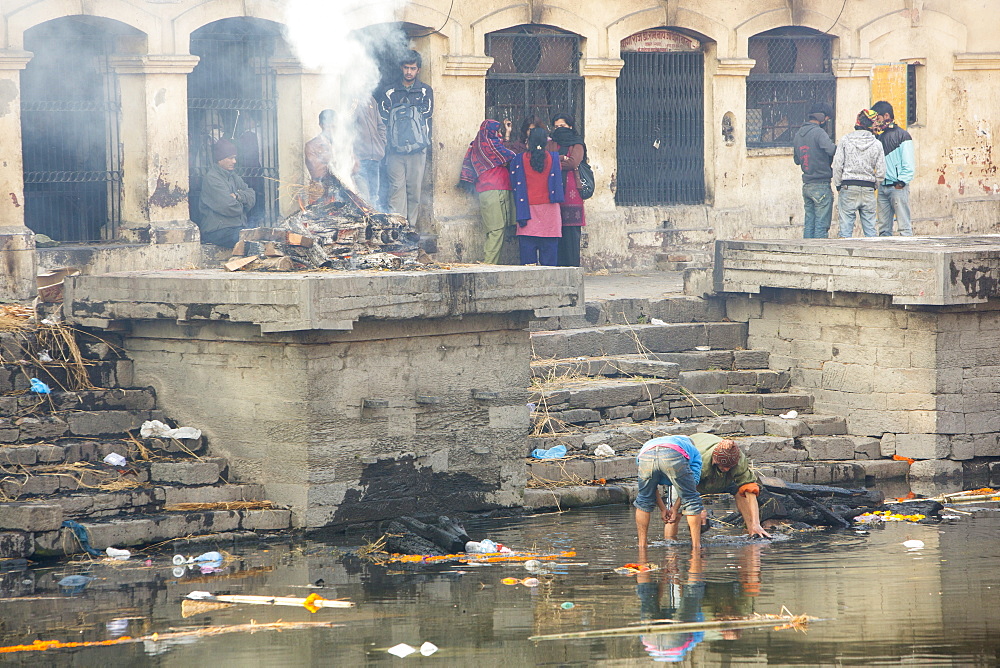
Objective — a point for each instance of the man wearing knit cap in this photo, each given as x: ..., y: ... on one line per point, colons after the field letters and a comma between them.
x: 225, y: 198
x: 814, y: 151
x: 858, y: 168
x: 727, y: 469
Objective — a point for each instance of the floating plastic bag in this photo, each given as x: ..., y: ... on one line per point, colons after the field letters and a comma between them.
x: 402, y: 650
x: 38, y: 387
x: 604, y: 450
x: 555, y: 452
x: 428, y: 648
x: 116, y: 460
x: 120, y: 555
x: 156, y: 429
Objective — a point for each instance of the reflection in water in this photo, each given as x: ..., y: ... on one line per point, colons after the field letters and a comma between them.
x: 879, y: 602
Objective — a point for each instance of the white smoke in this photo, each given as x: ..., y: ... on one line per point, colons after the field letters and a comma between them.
x: 341, y: 39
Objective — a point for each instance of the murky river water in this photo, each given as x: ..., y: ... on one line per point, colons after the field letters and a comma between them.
x: 881, y: 604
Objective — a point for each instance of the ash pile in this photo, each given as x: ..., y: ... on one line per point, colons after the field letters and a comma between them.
x: 336, y: 229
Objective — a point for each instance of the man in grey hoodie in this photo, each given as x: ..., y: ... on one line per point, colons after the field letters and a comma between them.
x: 858, y: 168
x: 814, y: 151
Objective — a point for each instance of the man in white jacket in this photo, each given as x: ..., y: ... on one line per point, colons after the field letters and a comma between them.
x: 858, y: 168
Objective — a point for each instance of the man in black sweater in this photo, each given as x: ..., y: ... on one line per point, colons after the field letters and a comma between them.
x: 814, y: 151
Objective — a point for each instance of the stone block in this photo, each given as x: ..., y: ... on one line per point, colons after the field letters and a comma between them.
x: 24, y: 455
x: 49, y: 454
x: 124, y: 373
x: 600, y: 395
x: 185, y: 472
x: 124, y: 533
x: 828, y: 447
x: 935, y: 469
x: 33, y: 485
x: 704, y: 382
x: 866, y: 447
x: 576, y: 497
x: 985, y: 445
x: 884, y: 469
x: 30, y: 516
x: 962, y: 447
x: 105, y: 423
x: 615, y: 468
x: 825, y: 425
x: 576, y: 416
x: 265, y: 520
x: 750, y: 359
x: 561, y: 470
x: 727, y: 335
x: 786, y: 401
x: 16, y: 545
x: 742, y: 403
x: 772, y: 449
x: 648, y: 368
x: 776, y: 426
x: 617, y: 412
x: 591, y: 441
x: 641, y: 413
x: 40, y: 428
x: 923, y: 446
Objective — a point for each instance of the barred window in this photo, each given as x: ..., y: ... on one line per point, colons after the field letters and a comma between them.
x: 793, y: 71
x: 536, y: 71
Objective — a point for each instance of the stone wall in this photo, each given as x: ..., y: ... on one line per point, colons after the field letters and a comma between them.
x: 923, y: 380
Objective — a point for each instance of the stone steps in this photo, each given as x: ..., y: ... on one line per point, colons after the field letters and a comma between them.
x: 624, y: 311
x: 652, y: 365
x: 42, y: 427
x: 631, y: 339
x: 100, y: 373
x: 82, y: 400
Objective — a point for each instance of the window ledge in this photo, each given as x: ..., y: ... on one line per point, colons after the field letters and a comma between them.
x: 770, y: 150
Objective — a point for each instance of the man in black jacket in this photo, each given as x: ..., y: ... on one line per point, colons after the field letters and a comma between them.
x: 814, y: 151
x: 408, y: 136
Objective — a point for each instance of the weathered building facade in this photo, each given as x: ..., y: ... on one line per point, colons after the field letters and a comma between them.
x: 687, y: 106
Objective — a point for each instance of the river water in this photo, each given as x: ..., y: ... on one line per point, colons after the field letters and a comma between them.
x: 880, y: 603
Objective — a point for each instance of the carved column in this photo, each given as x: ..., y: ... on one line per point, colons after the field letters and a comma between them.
x: 154, y: 137
x: 299, y: 103
x: 17, y: 242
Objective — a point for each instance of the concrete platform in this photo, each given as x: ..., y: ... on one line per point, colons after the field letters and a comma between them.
x: 935, y: 271
x: 322, y: 300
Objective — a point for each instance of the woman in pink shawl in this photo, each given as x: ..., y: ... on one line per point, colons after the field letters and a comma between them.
x: 485, y: 169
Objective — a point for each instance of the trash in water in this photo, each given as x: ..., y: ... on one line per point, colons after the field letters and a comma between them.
x: 402, y: 650
x: 312, y: 603
x: 886, y: 516
x: 913, y: 544
x: 568, y: 605
x: 115, y: 553
x: 156, y: 429
x: 74, y: 584
x: 527, y: 582
x: 428, y: 648
x: 486, y: 546
x: 534, y: 566
x: 632, y: 569
x: 38, y: 387
x: 555, y: 452
x: 116, y: 460
x: 117, y: 627
x: 790, y: 415
x: 206, y: 558
x: 604, y: 450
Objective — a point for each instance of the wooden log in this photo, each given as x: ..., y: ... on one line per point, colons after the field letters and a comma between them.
x: 821, y: 510
x: 237, y: 263
x: 854, y: 498
x: 450, y: 537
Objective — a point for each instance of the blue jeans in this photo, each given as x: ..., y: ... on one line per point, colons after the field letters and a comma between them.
x: 666, y: 466
x: 539, y: 250
x: 818, y: 198
x: 368, y: 182
x: 893, y: 200
x: 859, y: 199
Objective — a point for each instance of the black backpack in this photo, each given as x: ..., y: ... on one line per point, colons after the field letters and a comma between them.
x: 407, y: 131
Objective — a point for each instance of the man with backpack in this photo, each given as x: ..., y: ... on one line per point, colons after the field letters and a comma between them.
x: 407, y: 107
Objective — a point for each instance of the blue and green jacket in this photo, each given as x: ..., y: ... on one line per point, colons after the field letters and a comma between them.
x: 900, y: 164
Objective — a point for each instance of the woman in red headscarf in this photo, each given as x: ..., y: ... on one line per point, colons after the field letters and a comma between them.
x: 485, y: 169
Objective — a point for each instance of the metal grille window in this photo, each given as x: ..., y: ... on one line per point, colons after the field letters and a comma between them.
x: 793, y: 71
x: 911, y: 95
x: 535, y: 72
x: 70, y: 142
x: 231, y: 94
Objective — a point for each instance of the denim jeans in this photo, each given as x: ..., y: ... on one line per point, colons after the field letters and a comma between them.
x: 893, y: 200
x: 818, y: 198
x: 860, y: 199
x: 367, y: 180
x: 539, y: 250
x: 665, y: 466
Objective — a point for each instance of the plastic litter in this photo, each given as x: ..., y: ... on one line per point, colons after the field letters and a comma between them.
x: 568, y: 605
x: 428, y: 648
x: 656, y: 321
x: 74, y: 584
x: 117, y: 627
x: 527, y: 582
x: 205, y: 560
x: 44, y: 357
x: 913, y: 544
x: 604, y: 450
x: 402, y: 650
x: 555, y: 452
x: 38, y: 387
x: 790, y: 415
x: 156, y: 429
x: 703, y: 348
x: 115, y: 553
x: 116, y: 460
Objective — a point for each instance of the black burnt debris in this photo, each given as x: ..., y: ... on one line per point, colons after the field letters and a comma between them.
x: 335, y: 229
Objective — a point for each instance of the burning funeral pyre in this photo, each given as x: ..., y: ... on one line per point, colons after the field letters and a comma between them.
x: 336, y: 229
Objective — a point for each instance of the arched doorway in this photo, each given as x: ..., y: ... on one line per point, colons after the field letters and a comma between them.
x: 70, y: 115
x: 231, y: 94
x: 661, y: 138
x: 535, y: 72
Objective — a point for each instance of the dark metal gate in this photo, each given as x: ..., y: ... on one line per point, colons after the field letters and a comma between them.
x: 231, y: 94
x: 69, y: 133
x: 535, y: 72
x: 661, y: 156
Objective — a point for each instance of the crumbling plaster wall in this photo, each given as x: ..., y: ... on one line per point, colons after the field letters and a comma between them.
x: 927, y: 382
x: 288, y: 410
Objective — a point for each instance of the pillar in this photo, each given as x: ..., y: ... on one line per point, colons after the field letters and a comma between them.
x: 299, y: 91
x: 854, y: 90
x: 154, y: 137
x: 17, y: 242
x: 729, y: 96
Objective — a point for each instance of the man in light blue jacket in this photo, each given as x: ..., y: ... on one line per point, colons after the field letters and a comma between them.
x: 900, y: 166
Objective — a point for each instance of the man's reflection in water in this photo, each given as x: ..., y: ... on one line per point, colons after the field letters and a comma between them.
x: 668, y: 594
